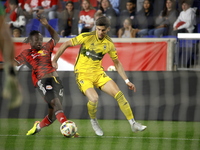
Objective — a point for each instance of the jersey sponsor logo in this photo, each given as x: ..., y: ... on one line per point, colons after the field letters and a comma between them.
x: 92, y: 54
x: 39, y: 53
x: 49, y: 87
x: 42, y: 52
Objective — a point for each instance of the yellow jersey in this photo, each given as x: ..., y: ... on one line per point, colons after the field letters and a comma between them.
x: 92, y: 51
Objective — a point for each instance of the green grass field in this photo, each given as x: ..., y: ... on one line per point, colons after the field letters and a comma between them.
x: 160, y: 135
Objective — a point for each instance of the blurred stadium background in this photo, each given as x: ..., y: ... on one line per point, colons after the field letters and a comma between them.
x: 168, y: 92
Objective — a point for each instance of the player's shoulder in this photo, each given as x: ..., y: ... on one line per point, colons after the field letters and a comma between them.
x: 108, y: 39
x: 88, y: 34
x: 27, y: 50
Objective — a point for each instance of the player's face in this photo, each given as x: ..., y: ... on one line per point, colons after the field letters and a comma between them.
x: 36, y: 41
x: 101, y: 31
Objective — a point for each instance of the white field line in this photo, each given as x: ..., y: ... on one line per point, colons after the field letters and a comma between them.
x: 111, y: 137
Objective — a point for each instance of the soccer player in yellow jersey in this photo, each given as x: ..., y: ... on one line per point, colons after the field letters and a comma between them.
x: 90, y: 73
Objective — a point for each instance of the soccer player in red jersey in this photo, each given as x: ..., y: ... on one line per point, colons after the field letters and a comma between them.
x: 44, y: 76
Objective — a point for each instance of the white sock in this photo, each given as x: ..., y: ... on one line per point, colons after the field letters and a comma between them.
x: 38, y: 127
x: 131, y: 121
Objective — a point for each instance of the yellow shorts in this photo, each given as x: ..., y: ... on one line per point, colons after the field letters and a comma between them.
x: 91, y: 80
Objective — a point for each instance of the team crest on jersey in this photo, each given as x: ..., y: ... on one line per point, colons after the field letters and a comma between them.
x: 49, y: 87
x: 81, y: 81
x: 92, y: 46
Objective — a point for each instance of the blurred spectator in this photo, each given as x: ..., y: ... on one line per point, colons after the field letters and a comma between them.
x: 77, y: 3
x: 139, y: 4
x: 96, y: 16
x: 158, y: 6
x: 48, y: 8
x: 16, y: 17
x: 129, y: 12
x: 144, y: 20
x: 20, y: 3
x: 180, y: 2
x: 16, y: 32
x: 164, y: 22
x: 186, y: 20
x: 86, y: 16
x: 127, y: 31
x: 106, y: 8
x: 31, y: 7
x: 115, y: 5
x: 122, y: 5
x: 94, y: 3
x: 68, y: 20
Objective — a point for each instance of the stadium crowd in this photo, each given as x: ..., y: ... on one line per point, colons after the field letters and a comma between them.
x: 129, y: 18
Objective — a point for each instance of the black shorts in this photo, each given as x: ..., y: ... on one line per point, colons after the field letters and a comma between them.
x: 50, y: 88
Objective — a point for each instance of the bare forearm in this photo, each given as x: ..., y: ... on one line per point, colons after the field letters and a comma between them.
x: 120, y: 70
x: 6, y: 43
x: 53, y: 33
x: 61, y: 50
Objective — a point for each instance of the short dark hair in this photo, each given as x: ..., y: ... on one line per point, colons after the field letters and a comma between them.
x: 131, y: 1
x: 69, y: 2
x: 186, y: 1
x: 103, y: 21
x: 32, y: 33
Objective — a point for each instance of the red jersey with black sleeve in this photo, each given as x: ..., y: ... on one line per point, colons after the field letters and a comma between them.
x: 38, y: 60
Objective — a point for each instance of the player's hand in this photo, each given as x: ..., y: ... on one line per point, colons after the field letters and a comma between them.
x: 54, y: 64
x: 12, y: 91
x: 42, y: 19
x: 131, y: 86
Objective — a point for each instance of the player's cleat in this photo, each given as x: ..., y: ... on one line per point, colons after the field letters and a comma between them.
x: 76, y: 135
x: 96, y: 127
x: 34, y: 129
x: 138, y: 127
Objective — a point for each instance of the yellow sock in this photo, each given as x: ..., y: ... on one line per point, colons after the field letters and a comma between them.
x: 124, y: 105
x: 92, y: 109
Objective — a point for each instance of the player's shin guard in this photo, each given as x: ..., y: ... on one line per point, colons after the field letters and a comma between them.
x: 92, y: 109
x: 124, y: 105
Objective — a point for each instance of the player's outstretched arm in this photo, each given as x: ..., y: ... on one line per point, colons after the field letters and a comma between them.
x: 122, y: 73
x: 59, y: 52
x: 11, y: 90
x: 51, y: 30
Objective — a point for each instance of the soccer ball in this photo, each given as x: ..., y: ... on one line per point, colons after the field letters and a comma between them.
x: 111, y: 68
x: 68, y: 128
